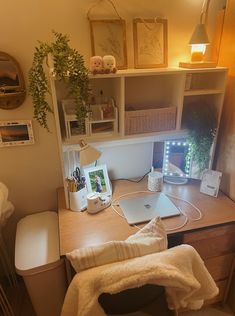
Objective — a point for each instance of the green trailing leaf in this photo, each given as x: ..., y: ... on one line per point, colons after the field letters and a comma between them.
x: 201, y: 121
x: 69, y: 67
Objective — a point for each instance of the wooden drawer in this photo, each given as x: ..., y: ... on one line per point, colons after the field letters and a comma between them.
x: 212, y: 242
x: 222, y: 285
x: 220, y: 267
x: 209, y: 233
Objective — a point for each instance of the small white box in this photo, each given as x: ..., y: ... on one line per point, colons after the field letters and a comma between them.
x: 210, y: 182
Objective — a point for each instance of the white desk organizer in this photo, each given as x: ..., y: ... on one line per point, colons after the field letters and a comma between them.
x: 78, y: 200
x: 102, y: 119
x: 70, y: 119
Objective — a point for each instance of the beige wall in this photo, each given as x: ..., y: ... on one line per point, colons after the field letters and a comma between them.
x: 32, y: 173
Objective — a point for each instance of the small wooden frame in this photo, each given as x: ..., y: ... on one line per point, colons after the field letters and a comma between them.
x: 108, y: 37
x: 14, y: 133
x: 150, y: 43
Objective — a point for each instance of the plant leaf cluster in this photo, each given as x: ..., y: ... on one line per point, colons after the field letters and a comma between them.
x: 200, y: 119
x: 69, y: 67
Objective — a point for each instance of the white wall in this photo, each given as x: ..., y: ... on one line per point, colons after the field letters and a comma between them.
x: 32, y: 173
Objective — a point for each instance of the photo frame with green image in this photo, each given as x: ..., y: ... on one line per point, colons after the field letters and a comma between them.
x: 97, y: 180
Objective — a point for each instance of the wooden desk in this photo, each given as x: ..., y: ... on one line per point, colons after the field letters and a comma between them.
x: 213, y: 236
x: 80, y: 229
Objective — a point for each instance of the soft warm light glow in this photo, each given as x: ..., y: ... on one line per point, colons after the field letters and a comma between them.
x: 198, y: 52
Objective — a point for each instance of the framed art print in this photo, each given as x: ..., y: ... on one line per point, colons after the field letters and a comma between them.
x: 14, y: 133
x: 108, y: 37
x: 150, y: 43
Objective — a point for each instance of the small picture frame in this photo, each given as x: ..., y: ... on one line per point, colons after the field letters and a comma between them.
x: 15, y: 133
x: 108, y: 37
x: 210, y: 182
x: 150, y: 43
x: 97, y: 180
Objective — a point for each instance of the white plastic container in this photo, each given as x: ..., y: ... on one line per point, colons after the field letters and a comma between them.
x: 78, y: 200
x: 37, y: 260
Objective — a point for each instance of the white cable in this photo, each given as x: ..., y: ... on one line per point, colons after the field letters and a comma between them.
x: 194, y: 206
x: 171, y: 196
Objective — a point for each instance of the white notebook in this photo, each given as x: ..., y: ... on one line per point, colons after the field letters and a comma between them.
x: 142, y: 209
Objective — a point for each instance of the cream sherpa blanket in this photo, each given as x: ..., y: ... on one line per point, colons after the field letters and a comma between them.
x: 151, y: 238
x: 180, y: 270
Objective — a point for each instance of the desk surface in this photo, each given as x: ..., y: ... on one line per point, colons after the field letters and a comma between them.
x: 81, y: 229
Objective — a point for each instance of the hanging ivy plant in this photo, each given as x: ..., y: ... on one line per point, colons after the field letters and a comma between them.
x: 69, y: 67
x: 201, y: 121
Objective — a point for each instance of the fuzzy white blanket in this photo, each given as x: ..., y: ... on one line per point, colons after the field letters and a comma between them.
x: 151, y: 238
x: 180, y: 270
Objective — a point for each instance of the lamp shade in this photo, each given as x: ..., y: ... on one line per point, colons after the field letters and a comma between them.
x: 199, y: 35
x: 88, y: 154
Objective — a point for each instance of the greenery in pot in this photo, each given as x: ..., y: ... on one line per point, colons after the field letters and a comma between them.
x: 200, y: 119
x: 69, y: 67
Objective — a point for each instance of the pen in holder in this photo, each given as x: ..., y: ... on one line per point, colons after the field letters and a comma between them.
x: 77, y: 195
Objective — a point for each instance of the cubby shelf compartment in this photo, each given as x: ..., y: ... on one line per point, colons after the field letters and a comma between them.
x: 203, y: 92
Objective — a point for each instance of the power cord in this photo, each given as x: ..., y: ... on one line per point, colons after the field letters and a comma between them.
x: 187, y: 219
x: 131, y: 180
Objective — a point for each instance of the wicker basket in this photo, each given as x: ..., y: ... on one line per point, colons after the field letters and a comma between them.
x: 150, y: 120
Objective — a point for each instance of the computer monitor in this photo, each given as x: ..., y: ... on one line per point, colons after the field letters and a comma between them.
x: 177, y: 161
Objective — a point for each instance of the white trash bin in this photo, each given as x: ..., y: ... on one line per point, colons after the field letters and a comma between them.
x: 37, y: 260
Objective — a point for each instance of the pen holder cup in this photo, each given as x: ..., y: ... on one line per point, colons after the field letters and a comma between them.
x: 155, y: 181
x: 78, y: 200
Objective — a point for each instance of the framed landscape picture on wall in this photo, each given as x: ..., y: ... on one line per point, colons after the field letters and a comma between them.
x: 150, y: 43
x: 13, y: 133
x: 108, y: 37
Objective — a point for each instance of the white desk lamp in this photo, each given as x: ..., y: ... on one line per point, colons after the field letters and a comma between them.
x: 88, y: 154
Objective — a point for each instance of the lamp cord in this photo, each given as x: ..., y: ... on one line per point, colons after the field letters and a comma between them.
x: 130, y: 180
x: 115, y: 203
x: 204, y: 11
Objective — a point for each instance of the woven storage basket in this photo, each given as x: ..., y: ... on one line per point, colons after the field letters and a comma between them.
x: 150, y: 120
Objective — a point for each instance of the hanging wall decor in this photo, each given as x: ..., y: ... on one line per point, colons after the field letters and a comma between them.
x: 108, y: 37
x: 150, y: 43
x: 13, y: 133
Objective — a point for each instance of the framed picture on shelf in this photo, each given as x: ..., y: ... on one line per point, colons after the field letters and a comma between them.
x: 108, y: 37
x: 14, y: 133
x: 97, y: 180
x: 150, y: 43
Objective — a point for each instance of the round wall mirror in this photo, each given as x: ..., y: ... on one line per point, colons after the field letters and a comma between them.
x: 12, y: 86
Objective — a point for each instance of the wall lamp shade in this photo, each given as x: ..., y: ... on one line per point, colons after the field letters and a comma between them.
x: 199, y: 35
x: 88, y: 154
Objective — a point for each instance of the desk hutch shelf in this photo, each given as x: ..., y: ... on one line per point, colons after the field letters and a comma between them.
x: 147, y: 101
x: 148, y: 105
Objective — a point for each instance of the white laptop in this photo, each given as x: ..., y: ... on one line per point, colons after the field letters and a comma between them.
x: 142, y: 209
